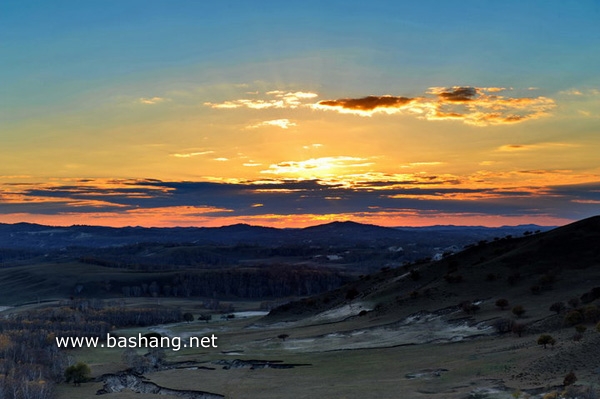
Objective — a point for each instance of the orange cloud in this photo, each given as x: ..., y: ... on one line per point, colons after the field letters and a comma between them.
x: 471, y: 105
x: 368, y: 103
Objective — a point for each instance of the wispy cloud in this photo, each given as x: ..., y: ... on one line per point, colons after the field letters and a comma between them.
x: 572, y: 92
x: 586, y: 201
x: 312, y: 146
x: 152, y: 100
x: 274, y: 99
x: 280, y: 123
x: 192, y: 154
x: 420, y: 164
x: 581, y: 92
x: 534, y: 146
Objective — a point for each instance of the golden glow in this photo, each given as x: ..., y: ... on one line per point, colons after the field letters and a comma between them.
x: 169, y: 217
x: 317, y: 167
x: 279, y: 144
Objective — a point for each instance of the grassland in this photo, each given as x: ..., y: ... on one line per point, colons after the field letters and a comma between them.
x: 449, y: 368
x: 402, y: 332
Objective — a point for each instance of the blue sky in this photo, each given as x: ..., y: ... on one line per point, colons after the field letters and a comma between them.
x: 81, y: 45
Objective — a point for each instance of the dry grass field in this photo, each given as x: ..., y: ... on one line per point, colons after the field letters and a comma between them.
x: 456, y: 366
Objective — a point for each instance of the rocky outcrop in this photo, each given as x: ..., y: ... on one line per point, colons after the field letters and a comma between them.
x: 136, y: 383
x: 256, y: 364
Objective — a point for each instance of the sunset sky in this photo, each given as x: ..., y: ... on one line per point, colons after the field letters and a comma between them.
x: 290, y: 114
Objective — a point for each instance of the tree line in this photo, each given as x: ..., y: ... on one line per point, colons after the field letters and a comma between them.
x: 251, y: 283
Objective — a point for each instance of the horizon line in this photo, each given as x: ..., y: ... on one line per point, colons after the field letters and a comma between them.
x: 288, y: 228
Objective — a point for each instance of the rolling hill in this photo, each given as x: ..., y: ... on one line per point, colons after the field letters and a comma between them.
x: 44, y: 262
x: 554, y: 277
x: 558, y: 263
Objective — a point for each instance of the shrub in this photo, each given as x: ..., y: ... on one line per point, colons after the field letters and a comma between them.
x: 283, y: 336
x: 573, y: 317
x: 502, y: 303
x: 546, y: 340
x: 77, y: 373
x: 570, y: 379
x: 591, y: 313
x: 205, y: 317
x: 188, y: 317
x: 518, y: 310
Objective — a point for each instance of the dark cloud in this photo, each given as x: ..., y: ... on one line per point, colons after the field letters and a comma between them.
x: 296, y: 197
x: 458, y: 94
x: 368, y: 103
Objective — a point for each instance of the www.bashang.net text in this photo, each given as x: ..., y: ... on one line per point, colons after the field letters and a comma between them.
x: 139, y: 341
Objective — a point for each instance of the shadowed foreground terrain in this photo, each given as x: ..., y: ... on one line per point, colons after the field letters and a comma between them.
x: 428, y: 329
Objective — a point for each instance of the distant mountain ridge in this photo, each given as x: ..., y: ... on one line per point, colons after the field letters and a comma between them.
x: 36, y: 236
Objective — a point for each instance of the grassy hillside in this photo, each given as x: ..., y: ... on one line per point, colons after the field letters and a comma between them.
x: 47, y: 281
x: 541, y: 268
